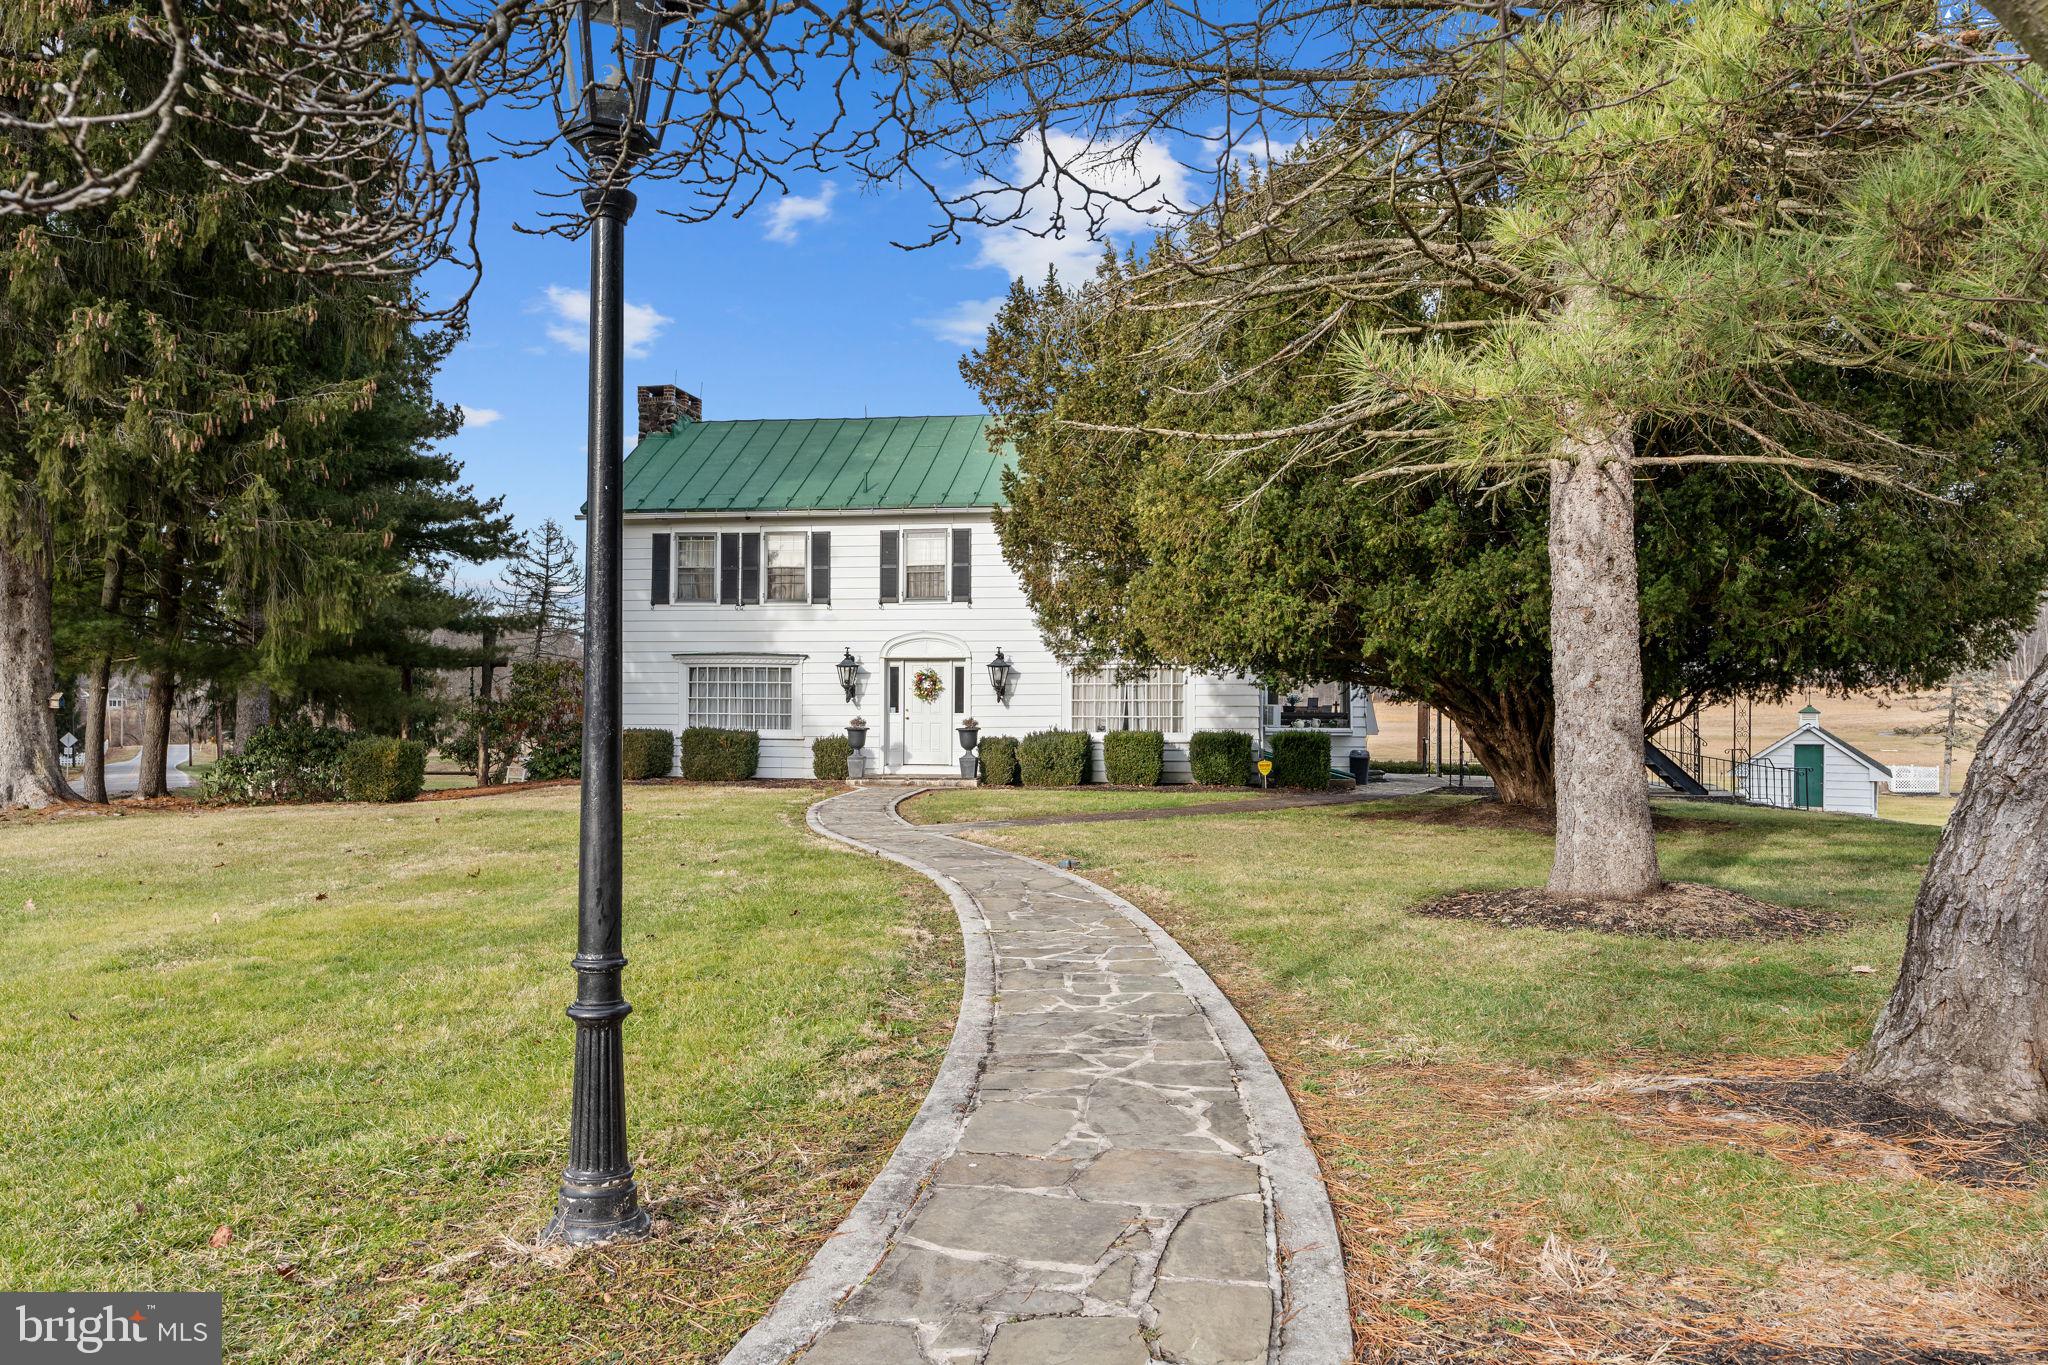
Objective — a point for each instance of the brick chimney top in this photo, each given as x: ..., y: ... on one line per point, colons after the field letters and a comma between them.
x: 664, y: 405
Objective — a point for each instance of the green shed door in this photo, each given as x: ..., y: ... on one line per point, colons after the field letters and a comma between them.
x: 1809, y: 774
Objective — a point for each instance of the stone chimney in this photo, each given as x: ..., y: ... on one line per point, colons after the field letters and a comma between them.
x: 664, y: 405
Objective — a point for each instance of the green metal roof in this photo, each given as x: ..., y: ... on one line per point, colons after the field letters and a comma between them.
x: 817, y: 464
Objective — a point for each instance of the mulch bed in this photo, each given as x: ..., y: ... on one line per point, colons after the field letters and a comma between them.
x: 1998, y: 1155
x: 1679, y: 910
x: 1736, y: 1352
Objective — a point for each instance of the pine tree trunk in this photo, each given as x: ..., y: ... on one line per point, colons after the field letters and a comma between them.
x: 486, y: 704
x: 1966, y: 1028
x: 1510, y: 736
x: 154, y: 779
x: 1605, y: 846
x: 252, y: 711
x: 93, y: 784
x: 30, y: 774
x: 95, y: 758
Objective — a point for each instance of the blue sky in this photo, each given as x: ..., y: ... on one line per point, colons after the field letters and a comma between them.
x: 800, y: 309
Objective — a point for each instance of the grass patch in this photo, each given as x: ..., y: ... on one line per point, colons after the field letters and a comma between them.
x: 338, y: 1033
x: 946, y: 805
x: 1462, y: 1081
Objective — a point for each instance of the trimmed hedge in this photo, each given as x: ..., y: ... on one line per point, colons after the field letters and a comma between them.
x: 998, y: 760
x: 1301, y: 758
x: 828, y: 757
x: 711, y: 755
x: 381, y: 769
x: 1222, y: 758
x: 1054, y: 758
x: 648, y: 753
x: 1134, y: 758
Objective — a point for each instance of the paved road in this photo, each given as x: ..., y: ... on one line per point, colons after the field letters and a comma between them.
x: 1106, y: 1172
x: 125, y: 776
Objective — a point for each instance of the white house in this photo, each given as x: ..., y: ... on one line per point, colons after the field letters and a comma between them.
x: 1820, y: 771
x: 759, y: 554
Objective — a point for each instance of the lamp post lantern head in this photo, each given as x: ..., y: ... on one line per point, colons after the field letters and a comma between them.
x: 1002, y: 675
x: 849, y: 673
x: 609, y: 52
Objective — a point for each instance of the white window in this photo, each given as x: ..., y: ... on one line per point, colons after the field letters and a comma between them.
x: 696, y: 568
x: 1151, y: 700
x: 1324, y: 706
x: 788, y: 566
x: 741, y: 696
x: 925, y: 562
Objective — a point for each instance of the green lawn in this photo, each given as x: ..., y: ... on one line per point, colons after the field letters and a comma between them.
x: 1435, y: 1060
x: 1017, y: 803
x: 338, y: 1033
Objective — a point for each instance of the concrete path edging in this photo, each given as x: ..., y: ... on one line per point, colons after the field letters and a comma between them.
x: 1312, y: 1325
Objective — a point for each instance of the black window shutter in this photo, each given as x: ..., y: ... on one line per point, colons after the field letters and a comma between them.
x: 891, y: 575
x: 657, y: 590
x: 729, y: 568
x: 821, y: 566
x: 750, y: 567
x: 963, y: 564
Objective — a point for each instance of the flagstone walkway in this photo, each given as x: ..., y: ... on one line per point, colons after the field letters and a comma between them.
x: 1107, y: 1171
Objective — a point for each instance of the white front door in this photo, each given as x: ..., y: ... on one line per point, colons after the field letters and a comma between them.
x: 927, y: 724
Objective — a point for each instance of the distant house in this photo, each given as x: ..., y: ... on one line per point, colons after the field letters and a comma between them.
x: 1823, y: 771
x: 760, y: 554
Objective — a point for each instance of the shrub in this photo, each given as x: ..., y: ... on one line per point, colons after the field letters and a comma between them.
x: 382, y: 769
x: 1134, y: 758
x: 543, y: 711
x: 648, y: 753
x: 1054, y: 758
x: 286, y: 761
x: 711, y: 755
x: 1222, y: 758
x: 1301, y: 758
x: 828, y: 757
x: 998, y: 760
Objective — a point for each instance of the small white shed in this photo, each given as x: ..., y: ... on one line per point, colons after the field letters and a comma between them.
x: 1811, y: 769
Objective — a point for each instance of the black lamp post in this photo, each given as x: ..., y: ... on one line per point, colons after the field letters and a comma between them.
x: 1001, y: 675
x: 609, y: 52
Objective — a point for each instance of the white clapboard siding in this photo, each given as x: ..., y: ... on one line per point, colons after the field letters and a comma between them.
x: 998, y: 617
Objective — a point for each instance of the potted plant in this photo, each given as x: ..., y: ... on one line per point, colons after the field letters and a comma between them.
x: 857, y: 734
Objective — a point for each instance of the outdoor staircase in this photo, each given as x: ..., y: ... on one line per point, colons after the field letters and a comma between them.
x: 911, y: 780
x: 1671, y: 774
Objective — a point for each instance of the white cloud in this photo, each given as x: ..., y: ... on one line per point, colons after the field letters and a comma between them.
x: 568, y: 314
x: 1073, y: 176
x: 965, y: 323
x: 792, y: 211
x: 473, y: 418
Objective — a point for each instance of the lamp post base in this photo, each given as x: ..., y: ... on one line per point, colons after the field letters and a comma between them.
x: 597, y: 1211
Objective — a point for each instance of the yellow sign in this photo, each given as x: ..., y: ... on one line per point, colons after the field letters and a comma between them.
x: 1265, y: 767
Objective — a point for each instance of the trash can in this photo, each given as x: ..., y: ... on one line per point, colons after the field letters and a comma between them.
x: 1361, y: 766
